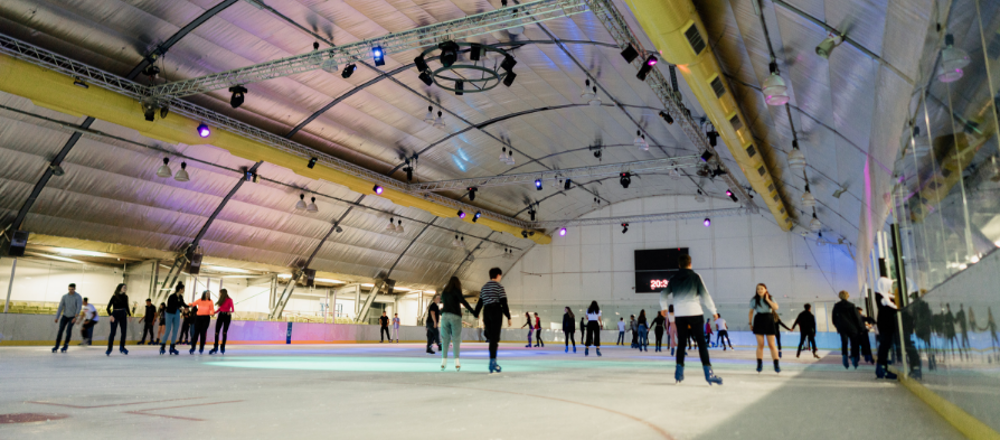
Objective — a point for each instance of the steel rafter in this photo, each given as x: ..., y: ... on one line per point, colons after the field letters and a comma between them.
x: 605, y: 170
x: 426, y: 36
x: 645, y: 218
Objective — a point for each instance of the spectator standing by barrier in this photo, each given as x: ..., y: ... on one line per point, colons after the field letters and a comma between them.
x: 383, y: 328
x: 69, y: 307
x: 621, y: 331
x: 148, y: 318
x: 395, y: 326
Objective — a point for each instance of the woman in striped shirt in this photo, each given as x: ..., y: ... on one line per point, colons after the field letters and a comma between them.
x: 493, y: 304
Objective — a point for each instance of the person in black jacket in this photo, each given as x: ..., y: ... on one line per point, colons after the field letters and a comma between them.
x: 383, y: 332
x: 569, y: 329
x: 657, y: 325
x: 493, y: 304
x: 148, y: 319
x: 452, y: 302
x: 848, y: 322
x: 119, y: 313
x: 866, y: 345
x: 807, y: 330
x: 175, y: 304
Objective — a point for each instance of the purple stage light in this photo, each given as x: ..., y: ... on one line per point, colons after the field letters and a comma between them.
x: 204, y: 131
x: 562, y: 232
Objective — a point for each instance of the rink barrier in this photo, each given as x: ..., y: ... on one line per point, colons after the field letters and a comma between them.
x: 964, y: 422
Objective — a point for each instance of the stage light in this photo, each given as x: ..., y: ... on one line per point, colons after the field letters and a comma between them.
x: 666, y: 117
x: 348, y: 71
x: 568, y: 185
x: 391, y: 227
x: 472, y: 192
x: 531, y: 214
x: 429, y: 118
x: 707, y: 222
x: 449, y: 53
x: 775, y: 90
x: 538, y: 184
x: 409, y: 173
x: 182, y: 174
x: 164, y: 111
x: 312, y: 206
x: 79, y: 83
x: 238, y: 95
x: 626, y: 179
x: 475, y: 51
x: 508, y: 63
x: 379, y: 55
x: 301, y: 204
x: 164, y: 170
x: 597, y: 153
x: 459, y: 87
x: 827, y: 45
x: 399, y: 227
x: 647, y: 66
x: 421, y: 63
x: 630, y: 54
x: 475, y: 217
x: 732, y: 196
x: 509, y: 78
x: 204, y: 131
x: 525, y: 235
x: 426, y: 78
x: 713, y: 137
x: 377, y: 189
x: 706, y: 156
x: 461, y: 214
x: 312, y: 162
x: 953, y: 60
x: 624, y: 228
x: 562, y: 232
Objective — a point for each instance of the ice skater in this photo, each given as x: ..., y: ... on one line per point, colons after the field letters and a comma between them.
x: 69, y: 306
x: 433, y: 324
x: 687, y: 294
x: 642, y: 326
x: 90, y: 319
x: 847, y: 320
x: 120, y: 313
x: 202, y: 320
x: 225, y: 312
x: 583, y: 328
x: 395, y: 327
x: 569, y: 329
x: 594, y: 327
x: 383, y: 328
x: 148, y: 318
x: 887, y: 326
x: 621, y: 331
x: 657, y: 325
x: 761, y: 317
x: 538, y: 331
x: 806, y: 323
x: 723, y: 332
x: 493, y: 304
x: 452, y: 302
x: 671, y: 329
x: 531, y: 327
x: 163, y: 322
x: 175, y: 305
x: 633, y: 327
x: 778, y: 325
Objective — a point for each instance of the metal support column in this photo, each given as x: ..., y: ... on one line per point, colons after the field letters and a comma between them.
x: 10, y: 286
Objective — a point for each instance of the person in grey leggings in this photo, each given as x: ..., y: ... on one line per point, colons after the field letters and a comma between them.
x: 451, y: 320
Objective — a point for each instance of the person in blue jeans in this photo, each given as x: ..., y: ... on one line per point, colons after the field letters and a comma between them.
x: 531, y: 327
x: 621, y: 331
x: 641, y: 329
x: 69, y: 306
x: 175, y: 303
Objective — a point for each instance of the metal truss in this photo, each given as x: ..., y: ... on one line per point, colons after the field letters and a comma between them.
x: 457, y: 29
x: 646, y: 218
x: 616, y: 25
x: 96, y: 77
x: 636, y: 167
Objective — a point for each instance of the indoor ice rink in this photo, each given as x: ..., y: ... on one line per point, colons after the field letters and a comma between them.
x: 498, y: 219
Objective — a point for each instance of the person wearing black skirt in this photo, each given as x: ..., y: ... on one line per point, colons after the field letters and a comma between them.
x: 762, y: 322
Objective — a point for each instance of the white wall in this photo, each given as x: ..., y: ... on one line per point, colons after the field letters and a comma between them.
x: 39, y: 279
x: 732, y: 255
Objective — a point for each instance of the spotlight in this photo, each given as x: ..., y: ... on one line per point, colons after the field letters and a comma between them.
x: 461, y: 214
x: 568, y: 185
x: 429, y: 118
x: 379, y: 55
x: 775, y: 90
x: 706, y: 156
x: 182, y: 174
x: 391, y: 227
x: 630, y: 54
x: 409, y: 173
x: 449, y: 53
x: 508, y: 63
x: 204, y: 131
x: 707, y: 222
x: 827, y: 45
x: 79, y: 83
x: 439, y: 122
x: 164, y: 111
x: 625, y: 179
x: 301, y: 204
x: 472, y: 192
x: 164, y: 170
x: 562, y: 232
x: 237, y: 100
x: 524, y: 234
x: 149, y: 112
x: 312, y: 206
x: 475, y: 51
x: 647, y: 66
x: 538, y: 184
x: 732, y: 196
x: 597, y: 153
x: 459, y: 86
x: 348, y: 71
x: 531, y: 214
x: 399, y: 227
x: 509, y: 78
x: 476, y: 216
x: 713, y: 137
x: 312, y: 162
x: 586, y: 94
x: 426, y: 78
x: 815, y: 225
x: 624, y: 228
x: 666, y: 117
x: 952, y: 61
x: 421, y: 63
x: 377, y: 189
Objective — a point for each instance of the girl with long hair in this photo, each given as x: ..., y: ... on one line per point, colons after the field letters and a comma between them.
x: 175, y: 302
x: 204, y: 317
x: 569, y: 329
x: 671, y: 330
x: 643, y: 328
x: 531, y: 327
x: 163, y: 322
x: 657, y: 325
x: 761, y: 317
x: 452, y: 302
x: 119, y: 311
x: 594, y: 326
x: 225, y: 311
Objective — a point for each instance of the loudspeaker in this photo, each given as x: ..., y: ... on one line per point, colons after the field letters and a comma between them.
x: 310, y: 277
x: 195, y: 265
x: 18, y: 241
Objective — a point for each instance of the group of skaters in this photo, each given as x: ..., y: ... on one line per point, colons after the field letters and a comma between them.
x: 197, y: 317
x: 665, y: 324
